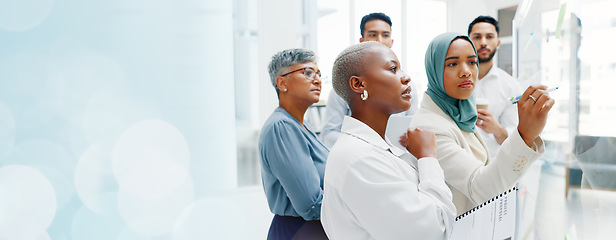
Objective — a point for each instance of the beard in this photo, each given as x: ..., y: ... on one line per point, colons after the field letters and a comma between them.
x: 488, y: 59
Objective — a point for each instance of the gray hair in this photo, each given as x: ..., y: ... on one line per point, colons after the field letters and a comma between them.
x: 348, y: 64
x: 287, y: 58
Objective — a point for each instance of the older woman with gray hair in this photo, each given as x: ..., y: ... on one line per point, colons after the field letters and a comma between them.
x: 292, y: 157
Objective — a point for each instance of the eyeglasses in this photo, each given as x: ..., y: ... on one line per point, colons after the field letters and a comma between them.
x: 309, y: 73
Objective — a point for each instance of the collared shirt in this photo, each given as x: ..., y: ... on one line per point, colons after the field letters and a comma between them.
x: 372, y: 193
x: 498, y: 87
x: 337, y: 108
x: 292, y: 166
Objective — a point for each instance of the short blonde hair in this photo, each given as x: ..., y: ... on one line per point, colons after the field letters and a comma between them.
x: 349, y: 63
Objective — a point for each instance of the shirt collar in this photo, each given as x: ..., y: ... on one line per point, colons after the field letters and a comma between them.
x: 361, y: 131
x: 306, y: 124
x: 396, y: 151
x: 491, y: 72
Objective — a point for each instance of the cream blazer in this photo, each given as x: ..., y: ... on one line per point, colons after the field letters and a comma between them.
x: 472, y: 181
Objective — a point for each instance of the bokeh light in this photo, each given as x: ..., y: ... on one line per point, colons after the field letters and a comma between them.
x: 150, y: 159
x: 211, y: 218
x: 94, y: 179
x: 23, y: 88
x: 24, y: 14
x: 7, y: 131
x: 108, y: 113
x: 78, y: 77
x: 155, y: 217
x: 103, y: 107
x: 90, y: 225
x: 53, y: 160
x: 150, y: 162
x: 27, y: 203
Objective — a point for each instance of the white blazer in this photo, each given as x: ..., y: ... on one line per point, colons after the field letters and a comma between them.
x: 472, y: 181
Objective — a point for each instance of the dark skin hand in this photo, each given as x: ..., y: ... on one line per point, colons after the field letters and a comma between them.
x: 419, y: 142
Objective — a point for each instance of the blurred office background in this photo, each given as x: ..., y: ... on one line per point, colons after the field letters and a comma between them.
x: 139, y: 119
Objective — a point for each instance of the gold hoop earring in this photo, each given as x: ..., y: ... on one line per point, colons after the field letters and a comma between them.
x: 364, y: 95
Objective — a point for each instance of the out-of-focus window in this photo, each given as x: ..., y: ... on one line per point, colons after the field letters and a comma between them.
x: 338, y: 27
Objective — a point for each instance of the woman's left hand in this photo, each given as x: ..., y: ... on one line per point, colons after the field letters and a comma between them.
x: 533, y: 108
x: 486, y: 121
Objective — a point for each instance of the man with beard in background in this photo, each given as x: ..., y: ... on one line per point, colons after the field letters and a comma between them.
x: 494, y: 86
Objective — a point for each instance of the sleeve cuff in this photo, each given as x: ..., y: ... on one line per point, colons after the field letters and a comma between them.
x: 313, y: 212
x: 538, y: 146
x: 429, y: 168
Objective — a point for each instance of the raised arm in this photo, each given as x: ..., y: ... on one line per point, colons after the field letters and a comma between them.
x: 481, y: 182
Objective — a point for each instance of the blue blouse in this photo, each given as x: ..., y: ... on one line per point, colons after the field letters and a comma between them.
x: 292, y: 166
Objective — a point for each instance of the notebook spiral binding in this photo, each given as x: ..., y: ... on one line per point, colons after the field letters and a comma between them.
x: 485, y: 203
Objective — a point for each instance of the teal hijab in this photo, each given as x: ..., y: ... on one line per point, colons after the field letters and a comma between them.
x: 462, y: 112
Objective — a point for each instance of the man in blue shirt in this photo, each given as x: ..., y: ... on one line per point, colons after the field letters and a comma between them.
x: 373, y: 27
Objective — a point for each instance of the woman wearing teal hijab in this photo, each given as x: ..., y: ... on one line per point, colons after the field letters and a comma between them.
x: 448, y: 109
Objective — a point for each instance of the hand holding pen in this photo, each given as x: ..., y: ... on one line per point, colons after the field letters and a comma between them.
x: 515, y: 100
x: 533, y: 108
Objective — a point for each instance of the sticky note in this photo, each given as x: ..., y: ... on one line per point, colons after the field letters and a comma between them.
x: 561, y: 17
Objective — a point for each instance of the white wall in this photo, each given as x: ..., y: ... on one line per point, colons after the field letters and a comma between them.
x: 280, y: 27
x: 462, y: 12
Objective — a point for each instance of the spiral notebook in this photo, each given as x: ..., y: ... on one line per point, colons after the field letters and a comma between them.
x: 494, y: 219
